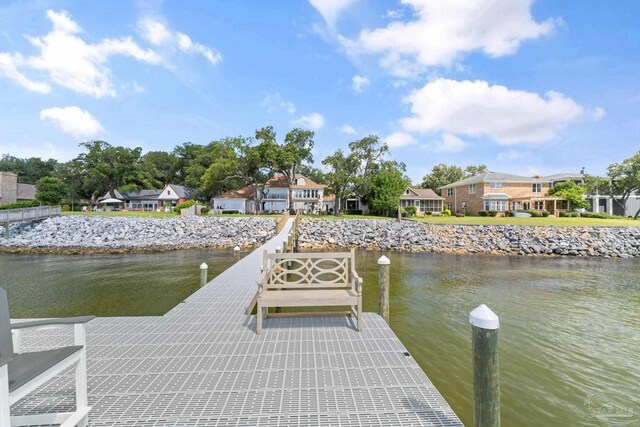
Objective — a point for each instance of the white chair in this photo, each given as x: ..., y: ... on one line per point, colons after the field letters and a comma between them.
x: 22, y: 373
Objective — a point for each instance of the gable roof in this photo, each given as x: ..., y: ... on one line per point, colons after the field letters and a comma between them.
x: 181, y: 191
x: 141, y: 194
x: 280, y: 181
x: 420, y: 194
x: 564, y: 176
x: 491, y: 177
x: 243, y: 193
x: 107, y: 195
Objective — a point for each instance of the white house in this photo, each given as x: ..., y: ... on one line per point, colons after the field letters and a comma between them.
x: 424, y: 199
x: 237, y: 200
x: 174, y: 194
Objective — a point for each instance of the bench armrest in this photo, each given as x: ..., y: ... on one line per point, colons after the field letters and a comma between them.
x: 52, y: 322
x: 261, y: 280
x: 357, y: 280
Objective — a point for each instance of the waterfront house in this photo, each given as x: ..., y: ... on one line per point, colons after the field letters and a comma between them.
x: 424, y: 199
x: 174, y: 194
x: 242, y: 200
x: 136, y: 200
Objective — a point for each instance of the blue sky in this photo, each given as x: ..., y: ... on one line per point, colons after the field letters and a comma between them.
x: 526, y: 87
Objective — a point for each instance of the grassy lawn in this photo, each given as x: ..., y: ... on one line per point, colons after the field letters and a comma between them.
x: 150, y: 214
x: 486, y: 220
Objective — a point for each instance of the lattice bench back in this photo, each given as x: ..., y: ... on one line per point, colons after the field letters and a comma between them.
x: 317, y: 270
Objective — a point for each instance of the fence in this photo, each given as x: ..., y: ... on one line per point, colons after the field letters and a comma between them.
x: 28, y: 214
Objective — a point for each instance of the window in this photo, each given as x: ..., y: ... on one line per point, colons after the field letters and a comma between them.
x: 495, y: 185
x: 406, y: 192
x: 169, y: 192
x: 449, y: 191
x: 495, y: 205
x: 472, y: 189
x: 450, y: 206
x: 538, y: 205
x: 536, y: 187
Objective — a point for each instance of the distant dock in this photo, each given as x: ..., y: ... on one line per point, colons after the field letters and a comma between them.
x: 202, y: 364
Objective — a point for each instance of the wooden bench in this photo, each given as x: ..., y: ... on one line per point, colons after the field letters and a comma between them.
x: 320, y: 279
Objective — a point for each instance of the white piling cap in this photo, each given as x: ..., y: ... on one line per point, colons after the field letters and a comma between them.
x: 237, y: 248
x: 483, y: 317
x: 203, y: 266
x: 278, y: 248
x: 383, y: 260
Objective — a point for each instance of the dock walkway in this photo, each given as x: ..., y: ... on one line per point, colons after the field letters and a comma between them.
x: 202, y: 364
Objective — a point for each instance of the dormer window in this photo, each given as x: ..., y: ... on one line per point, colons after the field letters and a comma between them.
x: 406, y: 192
x: 301, y: 181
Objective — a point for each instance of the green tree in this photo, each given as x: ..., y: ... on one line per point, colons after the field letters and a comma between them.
x: 71, y: 174
x: 28, y: 170
x: 388, y: 184
x: 339, y: 179
x: 369, y: 153
x: 107, y: 168
x: 50, y: 191
x: 191, y: 164
x: 572, y: 192
x: 161, y: 167
x: 624, y: 180
x: 442, y: 174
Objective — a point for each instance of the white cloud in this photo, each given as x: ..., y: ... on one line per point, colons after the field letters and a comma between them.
x: 72, y: 120
x: 509, y: 155
x: 275, y: 101
x: 358, y: 83
x: 347, y: 130
x: 137, y: 88
x: 475, y: 108
x: 330, y: 9
x: 158, y: 34
x: 399, y: 139
x: 313, y: 121
x: 443, y: 30
x: 9, y: 68
x: 449, y: 144
x: 73, y: 63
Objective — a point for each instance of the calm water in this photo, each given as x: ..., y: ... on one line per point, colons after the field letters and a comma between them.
x: 570, y: 328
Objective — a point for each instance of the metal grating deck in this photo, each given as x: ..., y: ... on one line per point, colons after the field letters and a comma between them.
x: 202, y: 364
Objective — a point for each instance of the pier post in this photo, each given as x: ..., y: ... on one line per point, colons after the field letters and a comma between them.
x: 203, y: 274
x: 236, y: 253
x: 6, y: 230
x: 383, y: 287
x: 486, y: 381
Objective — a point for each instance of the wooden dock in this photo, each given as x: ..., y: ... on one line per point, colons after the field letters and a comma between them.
x: 202, y: 364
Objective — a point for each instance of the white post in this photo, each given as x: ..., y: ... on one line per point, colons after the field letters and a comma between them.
x: 278, y: 249
x: 486, y: 381
x: 383, y: 287
x: 79, y: 338
x: 236, y: 253
x: 203, y: 274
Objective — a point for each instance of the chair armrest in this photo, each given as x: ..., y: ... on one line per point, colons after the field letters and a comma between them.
x: 261, y: 280
x: 357, y: 280
x: 52, y: 322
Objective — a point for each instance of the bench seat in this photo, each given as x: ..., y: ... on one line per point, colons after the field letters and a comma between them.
x: 309, y: 298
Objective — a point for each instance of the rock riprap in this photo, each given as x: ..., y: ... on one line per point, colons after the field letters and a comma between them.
x: 104, y: 233
x: 412, y: 236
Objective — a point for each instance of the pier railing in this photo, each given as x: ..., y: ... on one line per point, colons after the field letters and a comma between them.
x: 282, y: 222
x: 28, y: 214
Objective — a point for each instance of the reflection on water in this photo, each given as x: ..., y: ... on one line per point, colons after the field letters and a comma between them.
x: 570, y: 328
x: 104, y: 285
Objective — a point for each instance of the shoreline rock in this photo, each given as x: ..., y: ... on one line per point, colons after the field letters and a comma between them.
x: 87, y: 235
x: 413, y: 236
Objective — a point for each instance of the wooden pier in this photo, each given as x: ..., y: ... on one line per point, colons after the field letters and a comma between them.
x: 10, y: 216
x: 202, y: 364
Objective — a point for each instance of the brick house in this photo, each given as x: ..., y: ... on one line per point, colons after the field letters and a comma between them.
x: 503, y: 192
x: 12, y: 191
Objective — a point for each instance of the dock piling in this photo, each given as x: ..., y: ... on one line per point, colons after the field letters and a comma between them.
x: 236, y: 253
x: 383, y: 287
x: 203, y: 274
x: 486, y: 381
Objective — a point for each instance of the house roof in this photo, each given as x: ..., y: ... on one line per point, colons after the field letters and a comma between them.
x: 564, y: 177
x: 420, y: 194
x: 329, y: 198
x: 491, y: 177
x: 107, y: 195
x: 141, y: 194
x: 26, y: 191
x: 243, y: 193
x: 181, y: 191
x: 280, y: 181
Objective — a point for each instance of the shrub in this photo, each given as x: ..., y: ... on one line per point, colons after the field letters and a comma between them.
x: 544, y: 214
x: 230, y: 212
x: 20, y: 205
x: 483, y: 213
x: 446, y: 212
x: 411, y: 210
x: 534, y: 213
x: 428, y: 213
x: 492, y: 213
x: 184, y: 205
x: 460, y: 215
x: 204, y: 210
x: 65, y: 208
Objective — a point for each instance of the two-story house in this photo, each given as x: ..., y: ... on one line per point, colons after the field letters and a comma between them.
x: 502, y: 192
x: 274, y: 197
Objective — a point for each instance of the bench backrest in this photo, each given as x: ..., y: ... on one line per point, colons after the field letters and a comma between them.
x: 309, y: 270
